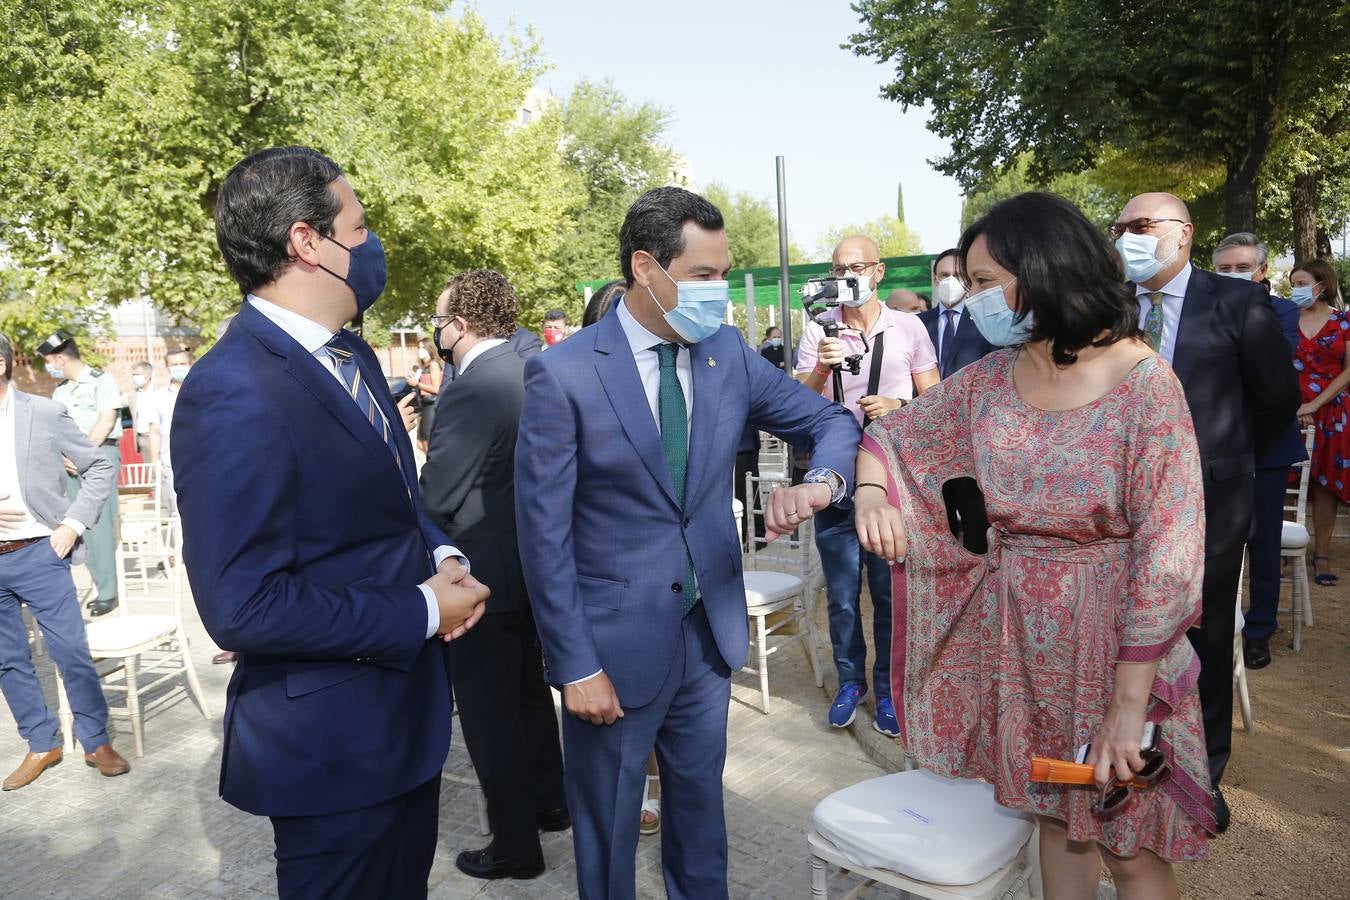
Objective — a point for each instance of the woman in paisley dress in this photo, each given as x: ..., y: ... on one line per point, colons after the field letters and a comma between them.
x: 1072, y: 627
x: 1323, y: 364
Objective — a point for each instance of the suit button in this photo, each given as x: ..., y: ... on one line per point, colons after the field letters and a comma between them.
x: 687, y: 520
x: 677, y: 588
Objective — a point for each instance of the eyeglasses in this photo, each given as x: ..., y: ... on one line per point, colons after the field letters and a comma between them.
x: 441, y: 321
x: 1137, y: 226
x: 859, y: 268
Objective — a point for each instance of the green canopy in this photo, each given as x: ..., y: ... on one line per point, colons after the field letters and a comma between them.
x: 910, y: 272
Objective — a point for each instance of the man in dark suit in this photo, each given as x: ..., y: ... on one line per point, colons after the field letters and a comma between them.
x: 525, y: 342
x: 1242, y: 256
x: 957, y: 341
x: 623, y: 503
x: 1224, y: 342
x: 468, y: 485
x: 308, y: 550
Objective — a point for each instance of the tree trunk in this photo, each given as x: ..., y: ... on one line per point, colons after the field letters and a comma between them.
x: 1303, y: 203
x: 1239, y: 197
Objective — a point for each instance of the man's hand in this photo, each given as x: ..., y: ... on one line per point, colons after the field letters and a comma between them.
x: 791, y: 506
x: 829, y: 353
x: 11, y: 513
x: 63, y: 540
x: 874, y: 406
x: 461, y: 603
x: 593, y: 700
x: 406, y: 411
x: 71, y: 468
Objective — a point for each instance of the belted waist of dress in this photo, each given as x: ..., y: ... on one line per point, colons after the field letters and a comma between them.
x: 1041, y: 547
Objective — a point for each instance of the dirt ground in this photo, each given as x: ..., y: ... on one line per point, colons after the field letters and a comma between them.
x: 1288, y: 783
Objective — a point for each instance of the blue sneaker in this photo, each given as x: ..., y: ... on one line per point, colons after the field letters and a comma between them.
x: 846, y: 703
x: 885, y: 721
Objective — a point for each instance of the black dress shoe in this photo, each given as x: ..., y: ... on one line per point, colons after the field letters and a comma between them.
x: 553, y: 819
x: 482, y: 864
x: 101, y: 607
x: 1256, y: 652
x: 1221, y: 814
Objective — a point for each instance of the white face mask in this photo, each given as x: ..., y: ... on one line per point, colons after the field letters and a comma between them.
x: 949, y: 291
x: 423, y: 355
x: 178, y: 373
x: 1243, y: 276
x: 864, y: 290
x: 138, y: 380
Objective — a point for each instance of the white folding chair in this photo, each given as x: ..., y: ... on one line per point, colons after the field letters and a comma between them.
x: 778, y: 579
x: 1294, y: 546
x: 143, y: 520
x: 139, y: 645
x: 775, y: 458
x: 35, y: 641
x: 925, y: 835
x: 1239, y: 660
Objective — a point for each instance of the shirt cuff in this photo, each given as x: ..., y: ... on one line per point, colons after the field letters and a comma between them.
x: 75, y: 526
x: 433, y: 611
x: 444, y: 552
x: 587, y: 678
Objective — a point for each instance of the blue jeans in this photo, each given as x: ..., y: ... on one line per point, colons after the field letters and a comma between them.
x: 842, y: 560
x: 36, y: 576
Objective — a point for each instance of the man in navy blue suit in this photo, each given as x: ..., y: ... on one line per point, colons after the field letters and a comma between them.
x: 1242, y: 256
x: 623, y: 495
x: 955, y: 338
x: 307, y: 548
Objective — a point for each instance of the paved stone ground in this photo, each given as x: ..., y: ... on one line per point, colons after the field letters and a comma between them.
x: 162, y: 832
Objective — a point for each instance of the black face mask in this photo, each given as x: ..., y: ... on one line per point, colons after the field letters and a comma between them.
x: 445, y: 354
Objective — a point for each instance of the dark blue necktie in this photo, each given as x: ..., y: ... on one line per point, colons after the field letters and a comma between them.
x: 948, y: 341
x: 343, y: 357
x: 674, y: 421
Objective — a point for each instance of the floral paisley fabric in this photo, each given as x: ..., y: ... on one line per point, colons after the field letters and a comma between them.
x: 1319, y: 360
x: 1096, y: 556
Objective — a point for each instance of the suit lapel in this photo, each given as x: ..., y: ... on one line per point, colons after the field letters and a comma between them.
x: 618, y: 374
x: 706, y: 376
x: 1197, y: 310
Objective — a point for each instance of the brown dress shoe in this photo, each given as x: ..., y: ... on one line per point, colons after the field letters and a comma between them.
x: 107, y: 760
x: 33, y: 765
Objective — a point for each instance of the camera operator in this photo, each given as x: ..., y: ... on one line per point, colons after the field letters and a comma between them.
x: 897, y: 361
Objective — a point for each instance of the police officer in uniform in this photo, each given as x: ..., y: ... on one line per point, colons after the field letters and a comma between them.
x: 94, y: 402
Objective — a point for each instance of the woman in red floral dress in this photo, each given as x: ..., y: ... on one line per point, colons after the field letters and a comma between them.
x: 1323, y: 364
x: 1072, y: 628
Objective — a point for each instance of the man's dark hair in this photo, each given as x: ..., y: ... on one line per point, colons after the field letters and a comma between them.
x: 1069, y: 277
x: 950, y: 251
x: 178, y: 351
x: 261, y: 198
x: 486, y: 300
x: 655, y: 221
x: 7, y: 354
x: 555, y: 315
x: 601, y: 301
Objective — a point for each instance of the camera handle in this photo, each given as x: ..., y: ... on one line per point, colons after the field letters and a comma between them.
x: 836, y: 371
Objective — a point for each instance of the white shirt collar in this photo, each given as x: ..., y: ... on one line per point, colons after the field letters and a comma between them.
x: 306, y: 332
x: 958, y: 308
x: 7, y: 405
x: 478, y: 350
x: 1174, y: 288
x: 639, y: 338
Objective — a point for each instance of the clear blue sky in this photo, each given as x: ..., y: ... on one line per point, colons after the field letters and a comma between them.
x: 746, y: 80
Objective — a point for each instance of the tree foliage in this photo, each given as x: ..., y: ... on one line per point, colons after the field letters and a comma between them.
x: 893, y: 237
x: 752, y: 229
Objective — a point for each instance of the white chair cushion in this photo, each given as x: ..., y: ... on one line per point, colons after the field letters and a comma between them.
x: 112, y: 634
x: 924, y: 827
x: 1293, y: 536
x: 770, y: 588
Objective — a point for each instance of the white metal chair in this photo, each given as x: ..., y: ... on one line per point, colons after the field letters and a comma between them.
x: 1294, y: 546
x: 778, y: 579
x: 144, y: 526
x: 139, y: 645
x: 925, y: 835
x: 775, y: 458
x: 35, y: 641
x: 1240, y: 663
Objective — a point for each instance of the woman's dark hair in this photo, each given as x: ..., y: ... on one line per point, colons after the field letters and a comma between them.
x: 261, y: 198
x: 601, y: 301
x: 655, y: 223
x: 1069, y: 277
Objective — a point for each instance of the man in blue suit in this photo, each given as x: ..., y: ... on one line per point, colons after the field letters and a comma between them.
x: 307, y: 548
x: 623, y: 494
x: 955, y: 338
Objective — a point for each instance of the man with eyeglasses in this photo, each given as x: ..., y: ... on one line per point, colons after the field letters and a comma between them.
x: 1224, y: 343
x: 898, y: 362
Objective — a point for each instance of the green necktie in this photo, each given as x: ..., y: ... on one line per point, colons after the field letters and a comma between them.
x: 1153, y: 322
x: 674, y: 421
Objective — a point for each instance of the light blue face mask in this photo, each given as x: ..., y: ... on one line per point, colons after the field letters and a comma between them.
x: 993, y: 319
x: 54, y: 372
x: 1303, y: 296
x: 1139, y: 254
x: 1242, y: 276
x: 700, y: 307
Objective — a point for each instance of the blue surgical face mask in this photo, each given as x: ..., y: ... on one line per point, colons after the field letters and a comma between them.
x: 775, y: 342
x: 58, y: 373
x: 1303, y: 296
x: 178, y: 373
x: 1242, y: 276
x: 995, y: 320
x: 1139, y: 254
x: 366, y: 271
x: 700, y: 307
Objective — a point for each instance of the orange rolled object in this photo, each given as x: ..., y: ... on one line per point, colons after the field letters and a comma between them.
x: 1061, y: 771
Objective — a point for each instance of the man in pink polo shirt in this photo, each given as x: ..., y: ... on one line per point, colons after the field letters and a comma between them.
x: 898, y: 363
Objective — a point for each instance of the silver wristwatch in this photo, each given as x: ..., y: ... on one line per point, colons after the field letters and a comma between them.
x: 828, y: 477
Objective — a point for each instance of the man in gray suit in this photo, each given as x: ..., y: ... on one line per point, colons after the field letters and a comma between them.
x: 40, y: 530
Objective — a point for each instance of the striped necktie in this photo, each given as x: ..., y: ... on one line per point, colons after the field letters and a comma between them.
x: 1153, y: 322
x: 674, y: 424
x: 361, y: 395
